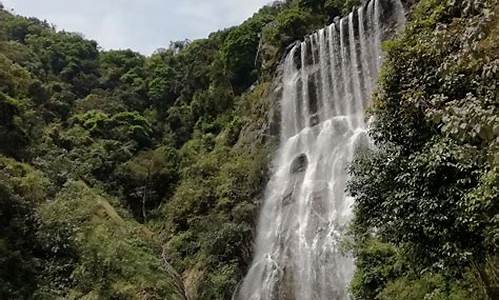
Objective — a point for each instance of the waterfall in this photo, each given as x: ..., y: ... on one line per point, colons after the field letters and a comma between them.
x: 326, y: 83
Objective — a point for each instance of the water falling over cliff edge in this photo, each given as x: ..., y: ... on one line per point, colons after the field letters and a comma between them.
x: 326, y: 84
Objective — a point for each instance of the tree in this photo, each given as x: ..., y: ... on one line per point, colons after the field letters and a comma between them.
x: 429, y: 191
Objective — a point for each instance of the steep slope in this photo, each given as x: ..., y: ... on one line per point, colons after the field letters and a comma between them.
x: 132, y: 177
x: 181, y: 139
x: 426, y: 201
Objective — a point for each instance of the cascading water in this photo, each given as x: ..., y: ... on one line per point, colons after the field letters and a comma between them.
x: 327, y: 80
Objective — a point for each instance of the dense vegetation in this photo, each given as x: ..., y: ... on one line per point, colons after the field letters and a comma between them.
x: 132, y: 177
x: 426, y: 215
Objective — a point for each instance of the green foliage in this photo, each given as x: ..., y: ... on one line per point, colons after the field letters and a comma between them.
x: 287, y: 27
x: 12, y: 132
x: 15, y: 79
x: 429, y: 286
x: 161, y: 89
x: 117, y: 66
x: 159, y: 133
x: 22, y: 189
x: 339, y: 7
x: 122, y: 74
x: 124, y: 126
x: 19, y: 28
x: 430, y: 189
x: 332, y: 8
x: 112, y: 257
x: 69, y: 56
x: 211, y: 215
x: 240, y: 49
x: 380, y: 263
x: 148, y: 178
x: 180, y: 142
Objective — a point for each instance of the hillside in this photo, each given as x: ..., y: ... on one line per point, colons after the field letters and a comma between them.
x: 133, y: 177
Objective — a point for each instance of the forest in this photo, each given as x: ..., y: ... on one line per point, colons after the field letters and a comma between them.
x: 124, y: 176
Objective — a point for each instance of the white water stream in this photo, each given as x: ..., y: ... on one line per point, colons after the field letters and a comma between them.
x: 327, y: 82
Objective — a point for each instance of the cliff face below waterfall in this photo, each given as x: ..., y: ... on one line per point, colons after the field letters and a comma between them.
x: 325, y: 86
x: 133, y: 177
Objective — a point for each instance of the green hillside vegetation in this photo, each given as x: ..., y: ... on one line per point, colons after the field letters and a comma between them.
x: 131, y: 177
x: 426, y: 213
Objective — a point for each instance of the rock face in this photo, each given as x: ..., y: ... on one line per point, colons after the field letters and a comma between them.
x: 299, y: 164
x: 324, y: 86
